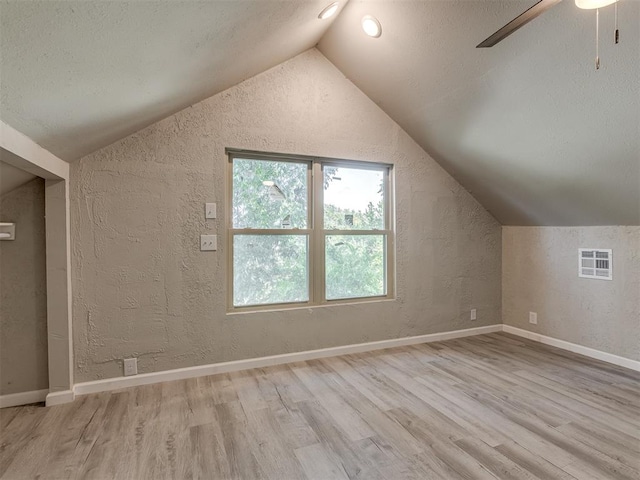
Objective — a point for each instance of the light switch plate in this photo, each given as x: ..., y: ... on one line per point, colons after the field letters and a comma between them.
x: 210, y: 210
x: 208, y: 243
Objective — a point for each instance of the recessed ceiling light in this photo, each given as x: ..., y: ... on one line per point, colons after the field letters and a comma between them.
x: 328, y: 11
x: 268, y: 183
x: 371, y: 26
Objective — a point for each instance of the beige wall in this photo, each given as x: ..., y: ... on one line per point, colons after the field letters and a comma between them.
x: 23, y: 292
x: 540, y: 274
x: 142, y: 288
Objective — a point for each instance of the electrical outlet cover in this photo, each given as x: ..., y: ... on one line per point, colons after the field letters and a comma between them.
x: 533, y: 318
x: 130, y: 366
x: 208, y: 243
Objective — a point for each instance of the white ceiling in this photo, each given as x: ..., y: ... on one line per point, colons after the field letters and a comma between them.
x: 79, y: 75
x: 12, y: 177
x: 529, y: 127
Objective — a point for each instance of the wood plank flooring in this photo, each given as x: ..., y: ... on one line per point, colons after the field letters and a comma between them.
x: 485, y: 407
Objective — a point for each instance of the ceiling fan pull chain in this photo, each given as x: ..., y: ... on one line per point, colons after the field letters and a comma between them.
x: 617, y: 32
x: 597, y: 39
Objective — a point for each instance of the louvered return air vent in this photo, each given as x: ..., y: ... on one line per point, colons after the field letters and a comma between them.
x: 595, y: 263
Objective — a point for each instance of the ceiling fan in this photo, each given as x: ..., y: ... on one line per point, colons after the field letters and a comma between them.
x: 535, y: 11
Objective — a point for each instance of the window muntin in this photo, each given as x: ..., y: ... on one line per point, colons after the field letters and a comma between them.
x: 280, y: 253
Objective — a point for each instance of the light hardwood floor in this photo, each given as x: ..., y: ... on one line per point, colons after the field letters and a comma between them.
x: 485, y: 407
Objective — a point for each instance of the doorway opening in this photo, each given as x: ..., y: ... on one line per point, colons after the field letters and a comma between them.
x: 24, y: 367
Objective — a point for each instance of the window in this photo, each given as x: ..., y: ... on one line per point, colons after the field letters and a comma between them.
x: 308, y: 231
x: 595, y: 263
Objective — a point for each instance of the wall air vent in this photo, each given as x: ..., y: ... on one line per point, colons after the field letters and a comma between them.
x: 595, y: 263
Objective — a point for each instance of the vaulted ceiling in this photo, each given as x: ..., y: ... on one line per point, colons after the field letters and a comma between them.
x: 77, y: 75
x: 529, y: 127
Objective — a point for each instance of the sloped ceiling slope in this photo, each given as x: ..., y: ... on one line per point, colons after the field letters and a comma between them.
x: 528, y: 127
x: 78, y: 75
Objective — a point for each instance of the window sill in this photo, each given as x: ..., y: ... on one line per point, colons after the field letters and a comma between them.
x: 282, y: 308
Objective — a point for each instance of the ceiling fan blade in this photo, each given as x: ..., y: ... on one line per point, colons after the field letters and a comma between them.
x: 522, y: 19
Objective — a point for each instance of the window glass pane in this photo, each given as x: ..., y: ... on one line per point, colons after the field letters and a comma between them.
x: 355, y: 266
x: 353, y: 198
x: 268, y: 194
x: 270, y: 269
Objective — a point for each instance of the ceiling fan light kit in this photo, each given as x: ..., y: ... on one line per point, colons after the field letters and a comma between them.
x: 544, y: 5
x: 592, y: 4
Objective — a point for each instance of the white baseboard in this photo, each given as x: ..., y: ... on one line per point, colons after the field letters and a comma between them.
x: 58, y: 398
x: 234, y: 366
x: 23, y: 398
x: 575, y: 348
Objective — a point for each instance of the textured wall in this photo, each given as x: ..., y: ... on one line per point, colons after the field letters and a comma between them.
x: 23, y: 292
x: 142, y: 287
x: 540, y: 274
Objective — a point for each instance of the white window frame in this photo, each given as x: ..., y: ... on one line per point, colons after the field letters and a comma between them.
x: 609, y: 253
x: 315, y: 229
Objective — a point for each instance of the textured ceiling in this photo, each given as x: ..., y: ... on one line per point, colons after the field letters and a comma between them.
x: 528, y: 126
x: 79, y: 75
